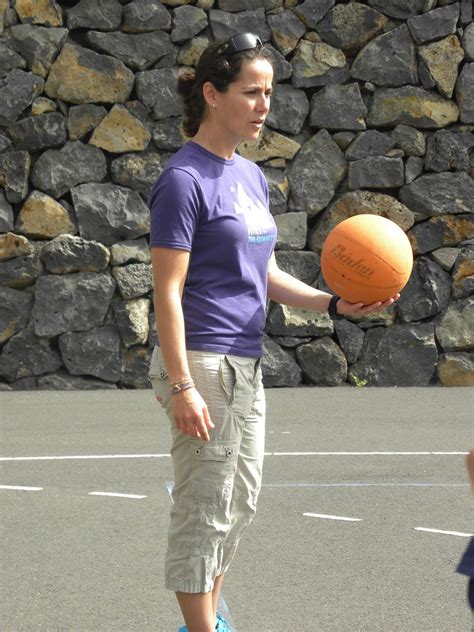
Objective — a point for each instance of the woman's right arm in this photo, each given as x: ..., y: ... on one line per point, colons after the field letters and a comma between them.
x: 170, y: 267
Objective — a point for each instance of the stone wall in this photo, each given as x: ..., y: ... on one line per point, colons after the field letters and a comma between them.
x: 373, y: 112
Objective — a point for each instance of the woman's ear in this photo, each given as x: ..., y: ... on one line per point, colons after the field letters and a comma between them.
x: 209, y: 93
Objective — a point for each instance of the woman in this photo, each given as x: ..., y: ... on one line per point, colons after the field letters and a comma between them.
x: 212, y: 241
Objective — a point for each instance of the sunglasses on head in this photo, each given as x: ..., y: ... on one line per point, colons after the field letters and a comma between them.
x: 239, y: 43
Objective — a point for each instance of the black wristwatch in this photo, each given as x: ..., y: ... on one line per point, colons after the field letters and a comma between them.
x: 332, y: 308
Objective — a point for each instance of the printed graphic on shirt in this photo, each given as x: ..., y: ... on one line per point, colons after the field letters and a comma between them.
x: 259, y: 222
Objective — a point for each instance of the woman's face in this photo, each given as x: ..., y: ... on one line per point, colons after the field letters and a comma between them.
x: 242, y: 110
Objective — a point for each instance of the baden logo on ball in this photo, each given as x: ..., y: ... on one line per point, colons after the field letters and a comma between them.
x: 366, y: 258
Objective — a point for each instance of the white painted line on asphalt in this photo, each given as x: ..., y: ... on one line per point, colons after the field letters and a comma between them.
x: 25, y: 489
x: 326, y: 517
x: 165, y: 456
x: 115, y: 494
x: 458, y: 533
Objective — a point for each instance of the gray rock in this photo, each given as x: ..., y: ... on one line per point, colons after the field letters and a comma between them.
x: 39, y: 45
x: 135, y: 365
x: 436, y: 194
x: 24, y: 384
x: 21, y: 271
x: 26, y: 355
x: 350, y: 26
x: 464, y: 93
x: 448, y: 151
x: 102, y: 15
x: 80, y: 302
x: 188, y: 21
x: 223, y: 24
x: 153, y: 90
x: 320, y: 155
x: 233, y: 6
x: 138, y: 171
x: 311, y: 12
x: 94, y: 352
x: 132, y: 321
x: 62, y: 381
x: 413, y: 168
x: 468, y: 42
x: 401, y: 9
x: 343, y: 139
x: 427, y: 292
x: 289, y: 109
x: 278, y: 187
x: 350, y: 338
x: 463, y: 273
x: 411, y: 140
x: 370, y: 143
x: 152, y: 338
x: 434, y: 24
x: 411, y: 106
x: 292, y: 230
x: 58, y: 170
x: 14, y: 173
x: 338, y: 107
x: 66, y: 254
x: 388, y: 60
x: 456, y: 369
x: 323, y: 362
x: 130, y: 251
x: 301, y: 265
x: 82, y: 119
x: 376, y: 172
x: 446, y: 257
x: 109, y: 213
x: 318, y: 64
x: 5, y: 142
x: 142, y: 16
x: 9, y: 60
x: 466, y: 13
x: 404, y: 355
x: 444, y: 230
x: 293, y: 321
x: 278, y: 367
x: 167, y: 134
x: 15, y: 310
x: 6, y: 215
x: 137, y: 51
x: 36, y: 133
x: 281, y: 67
x: 133, y: 280
x: 455, y: 328
x: 290, y: 342
x: 287, y: 30
x: 18, y: 89
x: 426, y: 78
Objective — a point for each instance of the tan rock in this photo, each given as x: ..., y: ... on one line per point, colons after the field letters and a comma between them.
x: 80, y: 75
x: 42, y: 105
x: 456, y: 369
x: 190, y: 53
x: 45, y: 12
x: 357, y: 203
x: 44, y: 218
x: 452, y: 229
x: 120, y: 132
x: 317, y: 58
x: 278, y: 163
x: 4, y: 5
x: 269, y: 145
x: 12, y: 246
x: 175, y: 3
x: 442, y: 59
x: 204, y: 4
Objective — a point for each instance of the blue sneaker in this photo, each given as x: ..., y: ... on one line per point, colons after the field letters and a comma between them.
x: 221, y: 625
x: 183, y: 628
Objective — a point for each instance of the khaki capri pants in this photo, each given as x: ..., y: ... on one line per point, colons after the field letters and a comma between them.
x: 216, y: 483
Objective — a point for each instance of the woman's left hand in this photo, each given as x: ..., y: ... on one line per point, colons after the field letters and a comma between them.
x: 359, y: 309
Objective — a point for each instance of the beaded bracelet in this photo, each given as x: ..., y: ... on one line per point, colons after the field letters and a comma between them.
x: 182, y: 385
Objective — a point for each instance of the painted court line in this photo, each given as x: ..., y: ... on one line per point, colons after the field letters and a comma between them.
x: 326, y: 517
x: 165, y: 456
x: 458, y: 533
x: 116, y: 494
x: 18, y: 487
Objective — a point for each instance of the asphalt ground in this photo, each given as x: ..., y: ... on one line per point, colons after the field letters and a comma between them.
x: 371, y: 467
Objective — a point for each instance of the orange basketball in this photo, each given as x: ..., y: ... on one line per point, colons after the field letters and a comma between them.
x: 366, y: 259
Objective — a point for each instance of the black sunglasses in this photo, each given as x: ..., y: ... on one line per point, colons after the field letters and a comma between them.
x: 240, y: 42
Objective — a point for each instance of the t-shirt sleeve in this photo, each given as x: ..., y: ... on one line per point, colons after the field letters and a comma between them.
x: 175, y: 205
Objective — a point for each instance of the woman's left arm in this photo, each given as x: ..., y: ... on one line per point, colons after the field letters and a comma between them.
x: 283, y: 288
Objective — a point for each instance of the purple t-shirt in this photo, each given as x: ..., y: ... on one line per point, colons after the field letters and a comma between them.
x: 218, y: 210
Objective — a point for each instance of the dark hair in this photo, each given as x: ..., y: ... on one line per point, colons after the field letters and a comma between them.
x: 220, y: 70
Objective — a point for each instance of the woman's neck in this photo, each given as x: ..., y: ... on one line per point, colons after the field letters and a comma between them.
x: 224, y: 148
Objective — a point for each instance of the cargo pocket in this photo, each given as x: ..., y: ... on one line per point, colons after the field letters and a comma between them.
x: 213, y: 471
x: 228, y: 379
